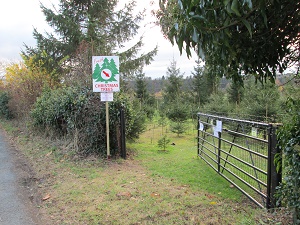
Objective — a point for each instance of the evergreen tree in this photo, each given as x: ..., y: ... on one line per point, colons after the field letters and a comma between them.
x: 83, y: 28
x: 175, y: 103
x: 178, y: 113
x: 261, y: 101
x: 235, y: 93
x: 218, y: 104
x: 163, y: 142
x: 172, y: 91
x: 211, y: 81
x: 198, y: 88
x: 93, y: 27
x: 141, y: 87
x: 146, y: 100
x: 205, y: 83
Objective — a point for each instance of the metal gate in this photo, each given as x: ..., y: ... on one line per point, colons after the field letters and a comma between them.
x: 243, y: 153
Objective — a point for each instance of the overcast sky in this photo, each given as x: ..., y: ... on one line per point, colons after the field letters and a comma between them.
x: 19, y: 18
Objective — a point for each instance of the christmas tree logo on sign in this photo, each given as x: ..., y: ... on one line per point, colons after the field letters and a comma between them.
x: 107, y: 72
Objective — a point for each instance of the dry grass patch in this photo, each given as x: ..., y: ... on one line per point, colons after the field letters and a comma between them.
x: 126, y: 193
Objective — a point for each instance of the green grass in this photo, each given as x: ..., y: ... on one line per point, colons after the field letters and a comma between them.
x: 180, y: 162
x: 151, y: 187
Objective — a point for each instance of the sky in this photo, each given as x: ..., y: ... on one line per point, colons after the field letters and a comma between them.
x: 19, y: 18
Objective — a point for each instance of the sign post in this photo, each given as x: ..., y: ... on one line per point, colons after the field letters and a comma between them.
x: 106, y: 80
x: 107, y: 131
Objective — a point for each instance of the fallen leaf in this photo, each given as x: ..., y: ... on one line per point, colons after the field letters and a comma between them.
x: 49, y: 153
x: 124, y: 194
x: 46, y: 197
x: 155, y: 195
x: 213, y: 203
x: 209, y: 196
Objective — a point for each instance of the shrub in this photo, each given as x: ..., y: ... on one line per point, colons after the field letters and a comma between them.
x: 289, y: 144
x: 4, y: 109
x: 55, y: 108
x: 24, y: 82
x: 78, y: 112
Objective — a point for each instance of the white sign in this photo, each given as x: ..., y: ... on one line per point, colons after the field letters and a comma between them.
x: 254, y: 131
x: 107, y: 96
x: 217, y: 128
x: 201, y: 126
x: 106, y: 76
x: 219, y: 125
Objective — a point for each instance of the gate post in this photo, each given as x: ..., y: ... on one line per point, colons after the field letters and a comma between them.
x: 219, y: 152
x: 198, y: 134
x: 274, y: 177
x: 122, y: 125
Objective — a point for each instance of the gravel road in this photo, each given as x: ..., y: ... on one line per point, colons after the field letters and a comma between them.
x: 16, y: 207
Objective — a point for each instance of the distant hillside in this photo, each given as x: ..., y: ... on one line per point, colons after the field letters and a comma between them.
x: 156, y: 85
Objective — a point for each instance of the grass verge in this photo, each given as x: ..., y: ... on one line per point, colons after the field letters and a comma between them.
x: 152, y: 187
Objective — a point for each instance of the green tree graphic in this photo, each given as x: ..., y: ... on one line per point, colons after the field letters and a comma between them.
x: 108, y: 65
x: 97, y: 72
x: 112, y: 65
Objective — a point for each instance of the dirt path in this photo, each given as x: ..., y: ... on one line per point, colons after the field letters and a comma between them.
x: 17, y: 198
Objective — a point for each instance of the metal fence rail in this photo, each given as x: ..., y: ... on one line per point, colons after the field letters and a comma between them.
x: 242, y: 152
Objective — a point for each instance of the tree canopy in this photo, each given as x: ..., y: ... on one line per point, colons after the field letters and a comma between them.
x: 235, y: 37
x: 93, y: 26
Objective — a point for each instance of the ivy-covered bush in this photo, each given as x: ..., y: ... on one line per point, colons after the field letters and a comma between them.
x: 4, y: 109
x: 289, y: 144
x: 79, y: 113
x: 54, y: 107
